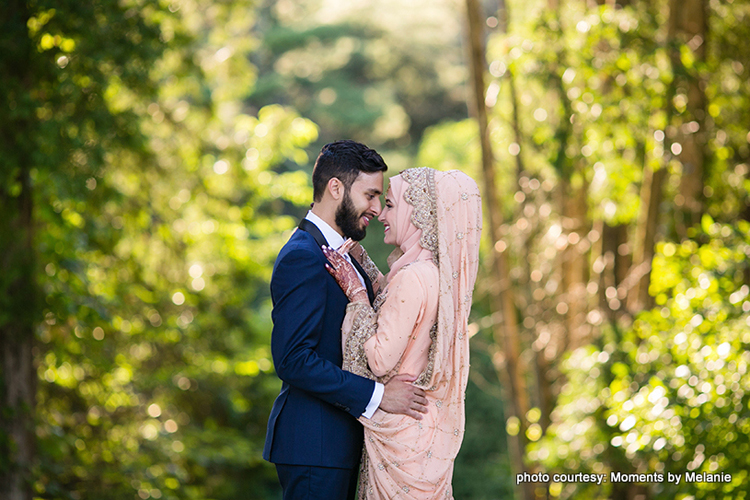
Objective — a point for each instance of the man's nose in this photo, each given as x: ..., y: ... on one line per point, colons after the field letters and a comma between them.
x: 375, y: 206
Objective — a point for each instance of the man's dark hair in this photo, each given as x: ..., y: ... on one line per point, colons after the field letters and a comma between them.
x: 344, y: 160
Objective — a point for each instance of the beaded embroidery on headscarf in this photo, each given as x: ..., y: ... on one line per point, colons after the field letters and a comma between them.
x: 421, y: 195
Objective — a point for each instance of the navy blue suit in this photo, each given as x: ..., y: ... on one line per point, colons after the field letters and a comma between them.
x: 313, y: 420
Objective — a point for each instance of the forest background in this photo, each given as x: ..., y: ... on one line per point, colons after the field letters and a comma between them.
x: 156, y: 154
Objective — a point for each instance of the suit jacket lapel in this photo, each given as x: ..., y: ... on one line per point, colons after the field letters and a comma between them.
x: 313, y: 231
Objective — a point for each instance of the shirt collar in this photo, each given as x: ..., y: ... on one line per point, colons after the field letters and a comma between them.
x: 333, y: 238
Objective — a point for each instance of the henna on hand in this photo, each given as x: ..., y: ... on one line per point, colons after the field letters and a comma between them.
x: 345, y: 275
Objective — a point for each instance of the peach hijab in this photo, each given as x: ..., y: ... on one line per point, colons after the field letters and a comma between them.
x: 443, y: 216
x: 408, y: 234
x: 441, y: 220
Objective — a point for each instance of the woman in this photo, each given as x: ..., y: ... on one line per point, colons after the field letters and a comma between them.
x: 417, y: 326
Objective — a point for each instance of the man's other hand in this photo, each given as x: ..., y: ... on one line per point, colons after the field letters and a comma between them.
x: 400, y: 396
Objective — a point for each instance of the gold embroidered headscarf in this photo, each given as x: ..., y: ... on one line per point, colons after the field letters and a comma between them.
x: 448, y: 211
x: 406, y: 458
x: 416, y: 238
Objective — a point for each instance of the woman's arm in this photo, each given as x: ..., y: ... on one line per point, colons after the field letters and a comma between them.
x: 376, y: 342
x: 397, y: 319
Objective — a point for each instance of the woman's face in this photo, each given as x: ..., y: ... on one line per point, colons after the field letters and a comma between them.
x: 388, y: 218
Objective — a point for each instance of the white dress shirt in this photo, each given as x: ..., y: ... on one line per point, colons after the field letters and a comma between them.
x: 335, y: 240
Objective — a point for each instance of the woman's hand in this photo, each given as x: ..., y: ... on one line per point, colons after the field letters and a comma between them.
x: 354, y: 249
x: 358, y: 253
x: 345, y: 275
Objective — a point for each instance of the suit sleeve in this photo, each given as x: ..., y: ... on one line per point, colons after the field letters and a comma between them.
x: 298, y: 289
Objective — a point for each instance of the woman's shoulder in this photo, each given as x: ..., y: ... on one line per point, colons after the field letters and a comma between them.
x: 423, y: 267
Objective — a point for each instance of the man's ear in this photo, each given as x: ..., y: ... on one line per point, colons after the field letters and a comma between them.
x: 336, y: 188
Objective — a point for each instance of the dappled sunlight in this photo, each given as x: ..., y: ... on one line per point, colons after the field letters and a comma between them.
x: 157, y: 155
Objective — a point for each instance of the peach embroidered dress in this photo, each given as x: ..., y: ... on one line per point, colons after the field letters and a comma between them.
x: 418, y: 326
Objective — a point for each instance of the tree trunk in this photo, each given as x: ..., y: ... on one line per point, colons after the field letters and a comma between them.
x: 501, y: 295
x: 637, y: 282
x: 688, y: 25
x: 18, y: 291
x: 615, y: 3
x: 17, y: 374
x: 574, y: 210
x: 574, y: 263
x: 611, y: 267
x: 692, y: 31
x: 516, y: 124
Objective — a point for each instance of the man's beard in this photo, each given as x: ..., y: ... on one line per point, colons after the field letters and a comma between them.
x: 347, y: 219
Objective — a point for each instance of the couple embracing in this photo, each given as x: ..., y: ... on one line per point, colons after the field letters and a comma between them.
x: 374, y: 367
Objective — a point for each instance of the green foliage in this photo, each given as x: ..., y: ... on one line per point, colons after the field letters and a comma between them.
x: 161, y: 202
x: 452, y: 146
x: 162, y: 205
x: 368, y: 72
x: 599, y: 100
x: 670, y: 394
x: 482, y: 469
x: 591, y: 93
x: 606, y: 71
x: 728, y: 91
x: 166, y: 147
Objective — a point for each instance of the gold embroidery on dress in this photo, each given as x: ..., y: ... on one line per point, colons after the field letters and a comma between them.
x: 379, y: 299
x: 363, y: 486
x: 426, y: 376
x: 371, y: 269
x: 364, y: 327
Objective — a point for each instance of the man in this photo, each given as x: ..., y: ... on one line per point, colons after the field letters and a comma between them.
x: 313, y: 436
